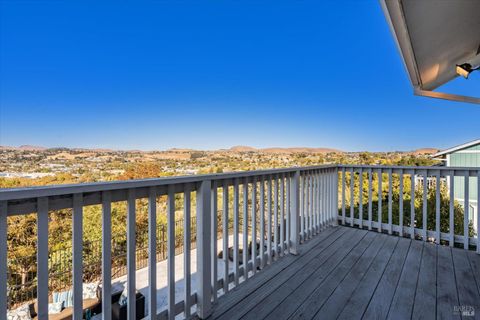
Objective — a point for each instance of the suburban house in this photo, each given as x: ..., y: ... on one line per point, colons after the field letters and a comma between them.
x: 464, y: 155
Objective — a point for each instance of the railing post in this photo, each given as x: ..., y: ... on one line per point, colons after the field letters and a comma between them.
x: 204, y: 291
x: 42, y: 258
x: 295, y: 212
x: 335, y: 198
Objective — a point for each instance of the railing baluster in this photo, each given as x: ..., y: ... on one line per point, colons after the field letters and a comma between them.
x: 282, y: 215
x: 328, y: 194
x: 171, y: 252
x: 77, y: 236
x: 42, y: 258
x: 316, y: 216
x: 334, y: 187
x: 343, y: 195
x: 452, y: 210
x: 307, y: 206
x: 321, y: 198
x: 329, y: 215
x: 380, y: 196
x: 332, y: 192
x: 370, y: 206
x: 275, y: 218
x: 187, y: 238
x: 437, y: 208
x: 412, y: 204
x: 3, y: 257
x: 352, y: 197
x: 390, y: 200
x: 466, y: 210
x: 254, y: 225
x: 262, y: 222
x: 400, y: 203
x: 326, y: 202
x: 214, y: 240
x: 317, y: 202
x: 225, y: 237
x: 245, y: 228
x: 294, y: 212
x: 425, y: 205
x: 236, y: 230
x: 360, y: 197
x: 334, y: 196
x: 310, y: 205
x: 288, y: 209
x: 302, y: 208
x: 107, y: 255
x: 269, y: 222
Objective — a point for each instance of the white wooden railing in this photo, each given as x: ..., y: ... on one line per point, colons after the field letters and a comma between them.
x: 273, y: 212
x: 278, y: 209
x: 354, y: 186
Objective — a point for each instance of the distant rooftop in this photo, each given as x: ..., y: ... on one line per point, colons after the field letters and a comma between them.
x: 457, y: 148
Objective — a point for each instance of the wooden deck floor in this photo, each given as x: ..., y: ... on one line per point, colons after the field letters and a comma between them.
x: 347, y: 273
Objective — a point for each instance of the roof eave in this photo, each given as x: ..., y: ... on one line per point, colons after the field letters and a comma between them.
x: 456, y: 148
x: 398, y: 27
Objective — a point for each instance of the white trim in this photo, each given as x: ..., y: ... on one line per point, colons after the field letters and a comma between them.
x: 468, y: 151
x: 399, y: 31
x: 463, y: 200
x: 456, y: 148
x: 445, y: 96
x: 396, y: 20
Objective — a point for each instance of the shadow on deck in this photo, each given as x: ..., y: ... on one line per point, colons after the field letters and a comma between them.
x: 347, y: 273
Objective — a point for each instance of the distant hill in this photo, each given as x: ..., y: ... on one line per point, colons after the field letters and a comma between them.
x: 242, y: 149
x: 425, y: 151
x: 301, y: 150
x: 180, y: 150
x: 93, y: 150
x: 24, y: 147
x: 32, y: 148
x: 284, y: 150
x: 272, y: 150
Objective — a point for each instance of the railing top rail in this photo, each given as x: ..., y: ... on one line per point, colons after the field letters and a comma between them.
x: 68, y: 189
x: 416, y: 168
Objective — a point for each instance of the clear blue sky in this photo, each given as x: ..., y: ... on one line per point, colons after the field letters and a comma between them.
x: 213, y: 74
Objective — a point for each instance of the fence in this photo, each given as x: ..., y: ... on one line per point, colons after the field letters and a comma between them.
x: 272, y: 213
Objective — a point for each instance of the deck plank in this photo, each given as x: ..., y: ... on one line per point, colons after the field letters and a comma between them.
x: 347, y: 273
x: 322, y: 291
x: 291, y: 303
x: 335, y: 303
x: 324, y: 262
x: 426, y: 295
x: 324, y: 249
x: 447, y: 296
x: 474, y: 259
x: 402, y: 303
x: 382, y: 297
x: 468, y: 295
x: 358, y: 301
x: 271, y: 272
